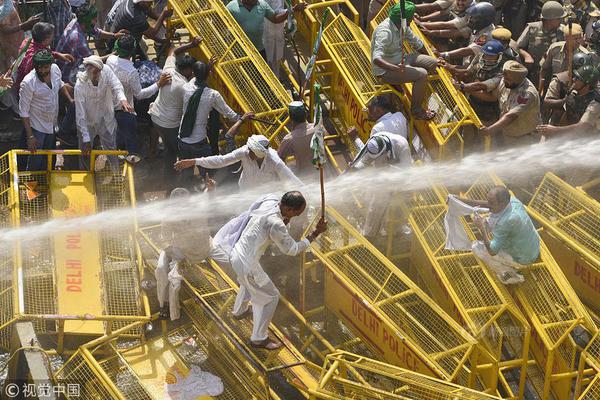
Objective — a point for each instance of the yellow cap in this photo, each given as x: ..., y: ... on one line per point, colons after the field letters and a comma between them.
x: 575, y: 30
x: 501, y: 34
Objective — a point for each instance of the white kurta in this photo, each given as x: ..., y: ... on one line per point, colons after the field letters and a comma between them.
x: 273, y: 38
x: 271, y: 169
x: 264, y: 227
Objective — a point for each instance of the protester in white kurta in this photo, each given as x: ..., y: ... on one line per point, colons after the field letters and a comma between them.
x: 273, y: 38
x: 96, y: 89
x: 264, y: 225
x: 382, y: 149
x: 260, y: 163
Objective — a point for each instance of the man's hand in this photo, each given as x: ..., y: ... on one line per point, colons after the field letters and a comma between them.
x: 487, y: 131
x: 183, y: 164
x: 299, y: 7
x: 31, y: 21
x: 195, y: 42
x: 6, y: 81
x: 32, y: 143
x: 121, y: 33
x: 400, y: 68
x: 247, y: 116
x: 210, y: 184
x: 528, y: 60
x: 352, y: 132
x: 86, y: 148
x: 547, y: 130
x: 212, y: 62
x: 320, y: 228
x: 68, y: 58
x: 125, y: 106
x: 165, y: 79
x: 479, y: 221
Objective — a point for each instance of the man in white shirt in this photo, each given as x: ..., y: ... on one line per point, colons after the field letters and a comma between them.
x: 260, y: 164
x: 38, y: 105
x: 381, y: 110
x: 123, y: 68
x: 265, y: 224
x: 198, y: 102
x: 96, y: 90
x: 166, y: 111
x: 383, y: 149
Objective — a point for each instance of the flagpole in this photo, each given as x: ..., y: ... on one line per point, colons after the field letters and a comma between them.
x: 322, y: 179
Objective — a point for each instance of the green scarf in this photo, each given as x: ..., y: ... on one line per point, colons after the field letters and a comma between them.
x: 189, y: 117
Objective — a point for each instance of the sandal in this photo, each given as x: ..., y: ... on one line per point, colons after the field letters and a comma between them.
x: 266, y: 344
x: 164, y: 313
x: 425, y: 115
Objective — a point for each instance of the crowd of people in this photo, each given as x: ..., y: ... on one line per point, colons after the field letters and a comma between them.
x: 76, y: 74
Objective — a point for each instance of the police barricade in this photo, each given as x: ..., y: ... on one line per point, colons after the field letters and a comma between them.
x: 590, y: 357
x: 454, y: 115
x: 398, y: 322
x: 310, y: 19
x: 241, y: 75
x: 593, y: 390
x: 554, y: 312
x: 212, y: 297
x: 571, y: 221
x: 389, y: 382
x: 84, y: 281
x: 172, y: 363
x: 465, y: 288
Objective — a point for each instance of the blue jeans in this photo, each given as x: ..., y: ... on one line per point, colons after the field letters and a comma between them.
x: 45, y: 142
x: 126, y: 131
x: 194, y: 150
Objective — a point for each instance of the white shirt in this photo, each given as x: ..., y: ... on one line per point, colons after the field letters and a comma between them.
x: 130, y: 79
x: 167, y: 109
x: 39, y: 102
x: 210, y: 99
x: 271, y: 168
x: 94, y: 104
x: 393, y: 123
x: 265, y: 227
x: 400, y: 147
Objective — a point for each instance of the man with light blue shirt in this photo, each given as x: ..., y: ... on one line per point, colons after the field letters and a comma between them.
x: 515, y: 243
x: 251, y: 14
x: 391, y: 64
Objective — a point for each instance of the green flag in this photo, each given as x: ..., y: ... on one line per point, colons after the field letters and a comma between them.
x: 317, y: 143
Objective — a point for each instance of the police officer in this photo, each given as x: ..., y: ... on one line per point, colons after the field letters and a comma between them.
x: 555, y: 59
x: 594, y: 38
x: 456, y: 28
x: 481, y: 18
x: 519, y: 103
x: 482, y: 75
x: 586, y: 13
x: 511, y: 50
x: 560, y: 86
x: 578, y: 100
x: 538, y: 36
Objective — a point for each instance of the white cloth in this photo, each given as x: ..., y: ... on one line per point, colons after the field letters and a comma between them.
x: 94, y: 105
x: 130, y: 79
x: 39, y: 102
x: 392, y: 123
x: 264, y: 227
x: 166, y: 111
x: 210, y: 99
x: 456, y: 236
x: 399, y: 153
x: 95, y: 61
x: 273, y: 38
x: 258, y: 144
x: 501, y: 264
x: 196, y: 384
x: 271, y: 168
x: 168, y: 283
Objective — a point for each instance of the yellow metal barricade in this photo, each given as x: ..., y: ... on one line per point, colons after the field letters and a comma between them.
x: 571, y: 221
x: 386, y: 382
x: 158, y: 367
x: 466, y: 289
x: 554, y: 312
x: 593, y: 390
x: 310, y: 20
x: 81, y: 281
x: 393, y: 316
x: 590, y: 357
x: 241, y: 75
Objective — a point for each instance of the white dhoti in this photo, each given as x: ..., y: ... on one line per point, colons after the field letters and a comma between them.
x: 168, y: 283
x: 502, y: 264
x: 274, y: 40
x: 255, y: 287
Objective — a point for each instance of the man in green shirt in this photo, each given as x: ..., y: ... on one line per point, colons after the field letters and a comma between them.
x: 251, y: 14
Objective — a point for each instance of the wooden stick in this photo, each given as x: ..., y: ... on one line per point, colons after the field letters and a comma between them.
x: 322, y: 179
x: 264, y: 121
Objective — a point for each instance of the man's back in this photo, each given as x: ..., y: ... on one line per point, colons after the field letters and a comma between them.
x: 515, y: 234
x: 297, y: 144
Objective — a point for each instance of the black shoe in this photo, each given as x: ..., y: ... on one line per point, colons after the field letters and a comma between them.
x: 164, y: 313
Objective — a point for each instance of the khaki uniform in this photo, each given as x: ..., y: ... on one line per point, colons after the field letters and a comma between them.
x: 557, y: 89
x: 524, y: 102
x: 555, y: 59
x: 487, y: 111
x: 591, y: 115
x: 536, y: 41
x: 576, y: 106
x: 478, y: 39
x: 578, y: 176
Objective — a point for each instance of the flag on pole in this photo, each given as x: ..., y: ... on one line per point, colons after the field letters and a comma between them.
x: 313, y: 58
x: 317, y: 143
x: 291, y: 27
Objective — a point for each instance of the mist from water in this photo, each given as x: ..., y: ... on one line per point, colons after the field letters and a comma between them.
x: 514, y: 165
